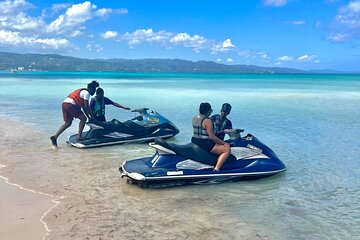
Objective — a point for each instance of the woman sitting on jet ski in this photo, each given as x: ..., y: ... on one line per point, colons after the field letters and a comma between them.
x: 97, y: 105
x: 204, y: 137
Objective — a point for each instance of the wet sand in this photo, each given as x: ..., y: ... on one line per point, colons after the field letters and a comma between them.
x: 95, y: 203
x: 22, y: 212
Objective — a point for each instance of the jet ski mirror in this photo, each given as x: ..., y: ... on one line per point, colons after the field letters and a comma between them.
x: 142, y: 111
x: 234, y: 133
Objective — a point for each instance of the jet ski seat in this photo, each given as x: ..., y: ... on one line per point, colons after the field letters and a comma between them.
x: 134, y: 127
x: 128, y: 127
x: 115, y: 125
x: 192, y: 151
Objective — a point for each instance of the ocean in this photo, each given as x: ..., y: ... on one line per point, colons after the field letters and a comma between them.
x: 311, y: 121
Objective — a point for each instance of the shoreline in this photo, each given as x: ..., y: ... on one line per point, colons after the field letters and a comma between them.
x: 16, y: 213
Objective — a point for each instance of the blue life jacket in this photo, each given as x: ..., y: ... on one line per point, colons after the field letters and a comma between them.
x: 99, y: 108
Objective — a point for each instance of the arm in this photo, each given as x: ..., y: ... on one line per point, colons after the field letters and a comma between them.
x: 208, y: 125
x: 120, y: 106
x: 109, y: 101
x: 229, y: 125
x: 87, y: 109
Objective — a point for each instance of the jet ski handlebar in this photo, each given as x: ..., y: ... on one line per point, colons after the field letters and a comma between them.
x: 234, y: 133
x: 142, y: 111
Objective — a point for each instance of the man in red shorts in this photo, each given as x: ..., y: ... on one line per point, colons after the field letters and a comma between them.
x: 71, y: 108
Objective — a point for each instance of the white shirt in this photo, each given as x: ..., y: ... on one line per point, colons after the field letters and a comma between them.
x: 84, y: 94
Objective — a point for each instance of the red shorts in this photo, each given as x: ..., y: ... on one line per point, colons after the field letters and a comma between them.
x: 71, y: 111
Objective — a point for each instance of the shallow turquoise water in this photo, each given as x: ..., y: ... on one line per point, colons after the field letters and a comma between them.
x: 310, y: 121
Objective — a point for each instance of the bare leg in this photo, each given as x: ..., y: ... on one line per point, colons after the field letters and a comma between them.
x: 61, y: 130
x: 224, y: 152
x: 81, y: 126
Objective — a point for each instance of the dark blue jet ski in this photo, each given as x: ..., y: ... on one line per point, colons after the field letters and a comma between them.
x: 174, y: 165
x: 144, y: 128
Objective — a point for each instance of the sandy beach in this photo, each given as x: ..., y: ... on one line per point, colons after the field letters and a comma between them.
x: 93, y: 201
x: 22, y: 212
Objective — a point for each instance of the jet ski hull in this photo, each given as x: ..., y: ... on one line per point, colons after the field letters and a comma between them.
x: 179, y: 177
x: 168, y: 168
x: 143, y: 128
x: 113, y: 139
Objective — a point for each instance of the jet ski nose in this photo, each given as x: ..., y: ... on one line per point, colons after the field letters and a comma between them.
x: 137, y: 176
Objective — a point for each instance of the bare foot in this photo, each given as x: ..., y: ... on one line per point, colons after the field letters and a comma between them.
x: 53, y: 141
x: 53, y: 148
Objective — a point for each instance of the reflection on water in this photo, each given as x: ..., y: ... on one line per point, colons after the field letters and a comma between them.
x: 309, y: 122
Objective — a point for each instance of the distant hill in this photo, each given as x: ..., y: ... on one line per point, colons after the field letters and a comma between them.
x: 54, y: 62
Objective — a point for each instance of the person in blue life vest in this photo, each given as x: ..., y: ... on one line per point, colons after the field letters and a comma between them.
x: 204, y: 137
x: 74, y: 106
x: 97, y: 105
x: 221, y: 122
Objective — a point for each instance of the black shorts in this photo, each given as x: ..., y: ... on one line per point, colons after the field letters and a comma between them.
x: 205, y: 144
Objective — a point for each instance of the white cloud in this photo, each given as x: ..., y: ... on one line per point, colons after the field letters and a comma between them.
x: 244, y: 53
x: 102, y: 12
x: 77, y: 14
x: 307, y: 58
x: 349, y: 15
x: 346, y: 23
x: 22, y: 22
x: 12, y: 16
x: 144, y: 35
x: 225, y: 46
x: 121, y: 11
x: 8, y: 37
x: 229, y: 60
x: 263, y: 55
x: 299, y: 22
x: 285, y: 58
x: 60, y: 6
x: 338, y: 37
x: 18, y: 27
x: 169, y: 39
x: 9, y: 7
x: 195, y: 42
x: 109, y: 34
x: 275, y: 3
x: 14, y: 38
x: 295, y: 22
x: 219, y: 60
x: 76, y: 33
x: 94, y: 48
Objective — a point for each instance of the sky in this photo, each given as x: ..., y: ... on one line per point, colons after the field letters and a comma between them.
x: 302, y: 34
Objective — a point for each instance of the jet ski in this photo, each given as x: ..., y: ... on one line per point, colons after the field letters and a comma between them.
x: 143, y: 128
x: 175, y: 165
